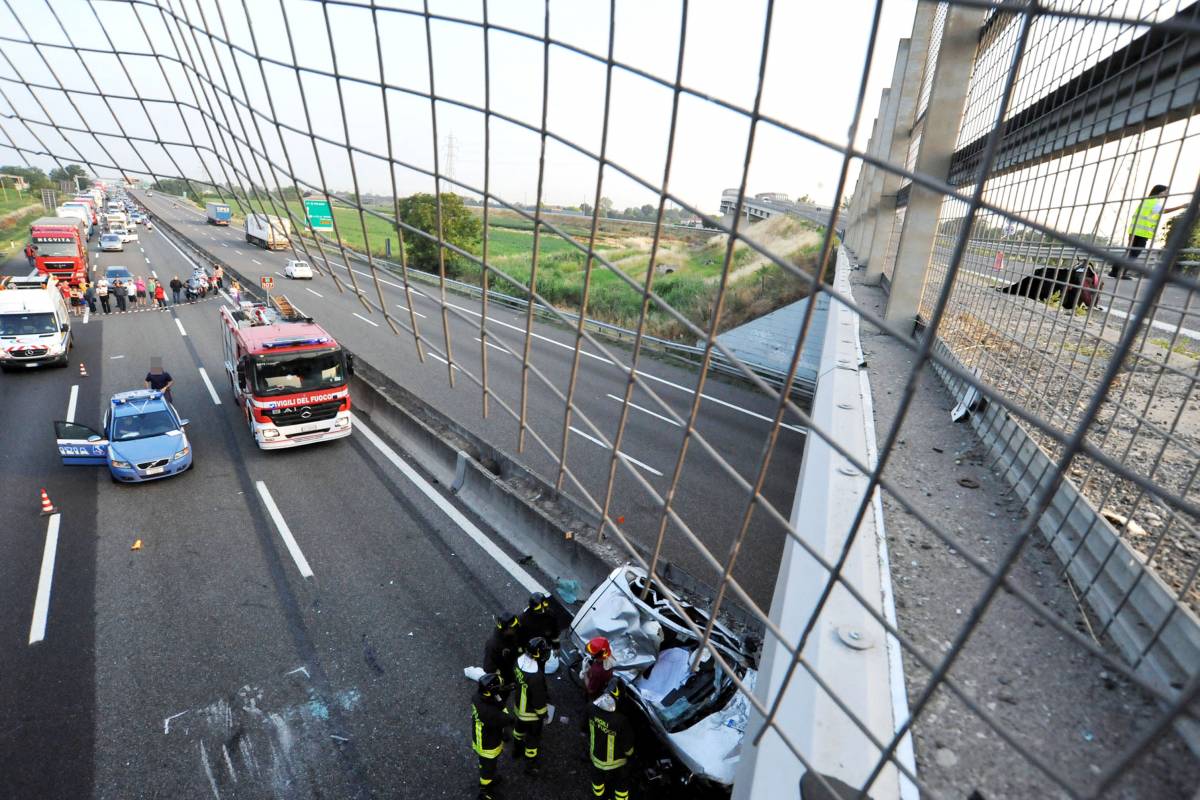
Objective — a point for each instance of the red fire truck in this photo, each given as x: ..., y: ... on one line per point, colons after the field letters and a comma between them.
x: 61, y: 247
x: 289, y: 376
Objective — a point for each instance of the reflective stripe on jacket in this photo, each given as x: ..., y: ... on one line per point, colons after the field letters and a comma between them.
x: 531, y: 695
x: 488, y: 722
x: 1145, y: 221
x: 610, y: 739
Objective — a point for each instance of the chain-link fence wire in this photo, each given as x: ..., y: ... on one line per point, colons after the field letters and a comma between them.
x: 187, y: 91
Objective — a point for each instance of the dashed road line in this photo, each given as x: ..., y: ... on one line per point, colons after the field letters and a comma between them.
x: 406, y: 308
x: 41, y: 602
x: 285, y: 532
x: 71, y: 402
x: 364, y: 319
x: 208, y: 384
x: 318, y: 294
x: 179, y: 324
x: 667, y: 420
x: 256, y: 261
x: 623, y: 454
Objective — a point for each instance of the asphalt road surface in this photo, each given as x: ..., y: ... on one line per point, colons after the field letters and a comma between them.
x: 733, y: 418
x: 209, y: 663
x: 205, y: 665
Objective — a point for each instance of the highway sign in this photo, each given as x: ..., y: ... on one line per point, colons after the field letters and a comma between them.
x: 320, y: 215
x: 266, y: 282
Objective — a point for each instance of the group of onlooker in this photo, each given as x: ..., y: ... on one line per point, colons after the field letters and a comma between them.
x: 126, y: 294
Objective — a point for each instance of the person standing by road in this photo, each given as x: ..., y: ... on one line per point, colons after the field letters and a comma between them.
x: 538, y: 620
x: 102, y: 293
x: 610, y: 744
x: 530, y: 702
x: 219, y: 276
x: 176, y: 288
x: 30, y: 253
x: 1144, y: 226
x: 89, y: 296
x: 235, y: 291
x: 120, y: 291
x: 140, y: 283
x: 159, y: 379
x: 160, y: 296
x: 489, y: 718
x: 76, y: 297
x: 503, y: 647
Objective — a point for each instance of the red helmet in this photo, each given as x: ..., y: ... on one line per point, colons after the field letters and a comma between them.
x: 598, y: 646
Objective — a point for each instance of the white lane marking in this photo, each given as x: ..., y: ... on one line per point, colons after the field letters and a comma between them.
x: 494, y: 346
x: 155, y: 274
x: 114, y: 358
x: 364, y: 319
x: 623, y: 454
x: 141, y: 248
x: 284, y: 531
x: 179, y: 324
x: 228, y: 299
x: 147, y: 261
x: 405, y: 308
x: 224, y: 244
x: 527, y: 581
x: 71, y: 402
x: 318, y: 294
x: 41, y: 603
x: 667, y: 420
x: 439, y: 358
x: 256, y: 261
x: 280, y: 274
x: 87, y: 314
x: 212, y: 392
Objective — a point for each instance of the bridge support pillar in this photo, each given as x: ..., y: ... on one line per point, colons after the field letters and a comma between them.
x: 939, y: 134
x: 854, y: 235
x: 880, y: 211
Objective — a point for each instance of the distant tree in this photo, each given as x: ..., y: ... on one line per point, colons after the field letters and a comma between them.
x: 606, y: 207
x: 69, y: 174
x: 586, y: 208
x: 460, y: 228
x: 649, y: 211
x: 806, y: 199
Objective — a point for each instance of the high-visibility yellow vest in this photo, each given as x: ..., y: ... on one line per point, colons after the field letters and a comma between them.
x: 1145, y: 221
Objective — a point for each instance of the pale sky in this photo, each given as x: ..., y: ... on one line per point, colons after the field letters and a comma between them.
x: 813, y: 73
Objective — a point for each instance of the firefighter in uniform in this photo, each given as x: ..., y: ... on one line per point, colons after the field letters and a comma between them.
x: 529, y: 702
x: 538, y: 620
x: 503, y: 647
x: 489, y: 718
x: 610, y: 744
x: 1144, y: 225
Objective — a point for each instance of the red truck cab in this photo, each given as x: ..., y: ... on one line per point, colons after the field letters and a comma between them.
x: 290, y: 377
x: 61, y: 248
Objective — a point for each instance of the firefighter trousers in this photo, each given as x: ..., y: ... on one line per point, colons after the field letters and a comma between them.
x: 618, y: 778
x: 527, y: 735
x: 487, y: 776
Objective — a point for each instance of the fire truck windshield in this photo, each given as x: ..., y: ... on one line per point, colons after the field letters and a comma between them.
x: 298, y: 372
x: 56, y: 248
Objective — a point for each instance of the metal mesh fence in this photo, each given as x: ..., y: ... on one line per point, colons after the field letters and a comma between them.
x: 261, y: 104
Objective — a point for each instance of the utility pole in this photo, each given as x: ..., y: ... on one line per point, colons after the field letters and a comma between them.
x: 450, y: 149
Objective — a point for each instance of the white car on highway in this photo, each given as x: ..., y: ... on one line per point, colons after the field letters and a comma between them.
x: 298, y: 269
x: 112, y: 242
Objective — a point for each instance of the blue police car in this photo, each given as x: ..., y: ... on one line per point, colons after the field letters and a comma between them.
x: 142, y: 439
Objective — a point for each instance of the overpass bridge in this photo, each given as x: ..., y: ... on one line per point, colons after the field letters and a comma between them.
x: 765, y: 205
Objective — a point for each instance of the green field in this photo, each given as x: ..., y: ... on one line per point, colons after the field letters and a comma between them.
x: 14, y: 230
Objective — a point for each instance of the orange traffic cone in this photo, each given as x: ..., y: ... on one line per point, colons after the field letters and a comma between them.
x: 137, y: 545
x: 82, y: 370
x: 47, y: 508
